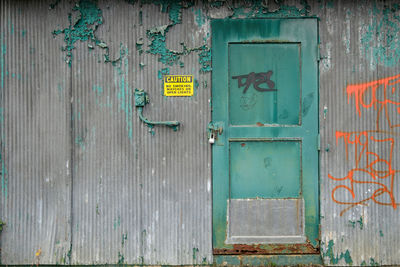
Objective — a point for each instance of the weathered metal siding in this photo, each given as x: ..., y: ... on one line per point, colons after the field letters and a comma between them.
x: 35, y: 136
x: 138, y: 196
x: 71, y: 136
x: 360, y: 43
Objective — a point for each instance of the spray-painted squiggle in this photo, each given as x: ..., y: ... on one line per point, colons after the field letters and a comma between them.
x: 370, y: 168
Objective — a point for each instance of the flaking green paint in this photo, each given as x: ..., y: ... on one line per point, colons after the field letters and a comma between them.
x: 200, y: 19
x: 359, y: 222
x: 90, y: 18
x: 372, y: 262
x: 163, y: 72
x: 195, y: 251
x: 4, y: 172
x: 125, y: 92
x: 117, y: 222
x: 380, y: 40
x: 257, y: 9
x: 380, y: 233
x: 97, y: 89
x: 124, y: 239
x: 3, y: 52
x: 334, y: 259
x: 121, y: 258
x: 205, y: 59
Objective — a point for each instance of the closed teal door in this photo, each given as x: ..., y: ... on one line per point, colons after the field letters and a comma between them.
x: 265, y: 159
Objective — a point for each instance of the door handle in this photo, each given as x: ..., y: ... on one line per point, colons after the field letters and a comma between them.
x: 141, y: 99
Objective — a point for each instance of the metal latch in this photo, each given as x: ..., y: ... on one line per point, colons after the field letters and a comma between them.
x: 213, y: 130
x: 141, y: 99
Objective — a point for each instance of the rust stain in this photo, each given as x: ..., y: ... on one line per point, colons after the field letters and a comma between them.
x: 243, y: 249
x: 243, y: 144
x: 259, y: 124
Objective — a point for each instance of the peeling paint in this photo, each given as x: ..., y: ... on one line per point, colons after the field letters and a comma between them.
x: 83, y: 29
x: 372, y: 262
x: 125, y: 93
x: 200, y: 19
x: 4, y: 173
x: 162, y: 72
x: 3, y: 51
x: 359, y: 222
x: 205, y: 59
x: 334, y: 259
x: 258, y: 9
x: 380, y: 40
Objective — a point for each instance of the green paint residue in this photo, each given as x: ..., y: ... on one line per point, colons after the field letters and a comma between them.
x: 3, y: 52
x: 257, y: 9
x: 60, y: 91
x: 121, y: 258
x: 124, y: 239
x: 83, y: 29
x: 200, y: 19
x: 125, y: 93
x: 205, y: 59
x: 334, y: 259
x: 4, y: 179
x: 195, y: 251
x: 381, y: 39
x: 358, y: 222
x: 372, y: 262
x: 97, y: 89
x: 162, y: 72
x: 117, y: 222
x: 380, y: 233
x: 80, y: 141
x: 23, y: 33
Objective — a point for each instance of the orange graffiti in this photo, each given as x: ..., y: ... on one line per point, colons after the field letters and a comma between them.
x: 370, y: 168
x: 381, y: 94
x: 372, y: 171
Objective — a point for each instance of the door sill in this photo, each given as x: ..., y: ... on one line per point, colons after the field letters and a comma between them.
x: 270, y: 249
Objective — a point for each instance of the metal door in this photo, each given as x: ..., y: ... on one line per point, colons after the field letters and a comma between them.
x: 265, y: 121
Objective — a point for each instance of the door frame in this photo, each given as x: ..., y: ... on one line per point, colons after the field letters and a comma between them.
x: 262, y: 249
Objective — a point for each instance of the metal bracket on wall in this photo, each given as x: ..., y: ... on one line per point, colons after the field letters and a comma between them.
x: 141, y: 99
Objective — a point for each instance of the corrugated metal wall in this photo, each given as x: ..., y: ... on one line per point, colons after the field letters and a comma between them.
x: 84, y: 181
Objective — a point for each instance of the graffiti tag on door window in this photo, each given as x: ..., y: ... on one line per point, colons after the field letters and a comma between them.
x: 257, y: 80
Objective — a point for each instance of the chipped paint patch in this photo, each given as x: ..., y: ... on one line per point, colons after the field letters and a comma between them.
x: 205, y: 59
x: 258, y: 9
x: 359, y: 222
x: 335, y: 258
x: 200, y: 19
x: 380, y: 39
x: 83, y: 29
x: 125, y: 93
x: 163, y: 72
x: 4, y: 179
x: 372, y: 262
x: 346, y: 32
x: 3, y: 51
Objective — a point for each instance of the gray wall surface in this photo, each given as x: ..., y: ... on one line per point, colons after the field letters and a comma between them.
x: 84, y: 181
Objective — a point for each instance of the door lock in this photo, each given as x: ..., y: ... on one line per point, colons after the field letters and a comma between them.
x: 214, y: 129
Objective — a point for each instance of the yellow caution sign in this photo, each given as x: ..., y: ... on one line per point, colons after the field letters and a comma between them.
x: 178, y: 85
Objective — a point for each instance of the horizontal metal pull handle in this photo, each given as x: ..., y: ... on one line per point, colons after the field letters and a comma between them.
x: 141, y: 99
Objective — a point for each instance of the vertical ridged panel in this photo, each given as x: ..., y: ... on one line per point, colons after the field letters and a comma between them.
x: 152, y: 189
x: 35, y: 137
x: 351, y: 44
